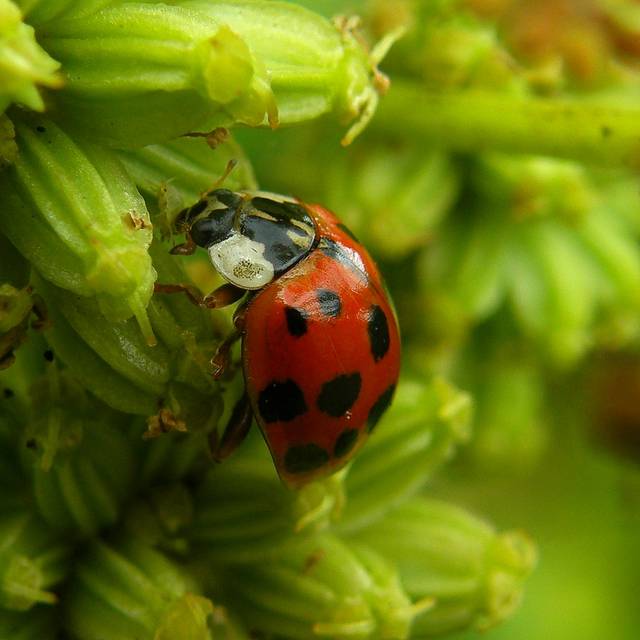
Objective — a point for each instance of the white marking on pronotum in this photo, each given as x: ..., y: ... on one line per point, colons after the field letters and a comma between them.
x: 241, y: 261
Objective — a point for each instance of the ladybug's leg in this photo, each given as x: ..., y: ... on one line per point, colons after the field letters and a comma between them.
x: 222, y: 356
x: 235, y: 432
x: 192, y: 291
x: 187, y: 248
x: 223, y: 296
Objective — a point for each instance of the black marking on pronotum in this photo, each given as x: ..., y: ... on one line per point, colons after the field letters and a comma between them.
x: 338, y: 395
x: 345, y: 442
x: 284, y: 211
x: 379, y: 407
x: 198, y: 208
x: 329, y: 301
x: 281, y: 401
x: 303, y: 458
x: 337, y: 252
x: 296, y: 321
x: 378, y: 329
x: 227, y: 197
x: 216, y: 227
x: 285, y: 229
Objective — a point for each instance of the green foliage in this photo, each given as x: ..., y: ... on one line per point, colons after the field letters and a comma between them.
x: 496, y: 188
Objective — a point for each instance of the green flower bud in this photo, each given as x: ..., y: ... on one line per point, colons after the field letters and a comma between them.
x: 32, y: 560
x: 170, y: 383
x: 612, y: 243
x: 96, y: 374
x: 175, y: 455
x: 131, y: 591
x: 314, y: 66
x: 509, y: 426
x: 39, y: 623
x: 446, y: 47
x: 419, y: 433
x: 531, y: 187
x: 23, y: 63
x: 41, y: 11
x: 73, y: 212
x: 392, y: 198
x: 243, y: 513
x: 144, y: 73
x: 463, y: 272
x: 321, y: 588
x: 552, y: 289
x: 78, y: 448
x: 225, y: 60
x: 473, y: 574
x: 160, y: 518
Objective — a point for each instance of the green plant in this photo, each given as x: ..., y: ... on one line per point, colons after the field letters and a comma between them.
x: 495, y: 185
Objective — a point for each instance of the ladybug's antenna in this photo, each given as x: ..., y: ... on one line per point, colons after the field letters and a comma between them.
x: 231, y: 165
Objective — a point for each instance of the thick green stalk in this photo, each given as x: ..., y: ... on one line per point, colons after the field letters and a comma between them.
x: 599, y: 132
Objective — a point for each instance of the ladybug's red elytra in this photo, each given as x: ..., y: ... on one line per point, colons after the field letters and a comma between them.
x: 320, y: 341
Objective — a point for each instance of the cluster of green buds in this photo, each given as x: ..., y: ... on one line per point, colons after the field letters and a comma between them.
x: 114, y: 521
x: 553, y: 242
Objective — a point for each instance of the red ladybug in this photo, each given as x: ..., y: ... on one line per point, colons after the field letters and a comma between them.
x: 320, y: 349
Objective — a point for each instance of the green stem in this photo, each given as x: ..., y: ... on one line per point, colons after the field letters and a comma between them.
x: 596, y: 132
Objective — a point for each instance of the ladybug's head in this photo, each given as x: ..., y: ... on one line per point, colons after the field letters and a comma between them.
x: 252, y: 237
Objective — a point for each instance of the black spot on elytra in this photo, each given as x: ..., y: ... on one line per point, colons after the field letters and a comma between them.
x: 48, y: 355
x: 329, y: 301
x: 296, y: 321
x: 348, y: 232
x: 379, y: 407
x: 281, y: 401
x: 8, y: 393
x: 345, y: 442
x: 378, y: 329
x: 305, y: 457
x: 337, y: 396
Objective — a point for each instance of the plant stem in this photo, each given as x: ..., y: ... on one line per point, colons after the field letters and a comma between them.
x: 595, y: 132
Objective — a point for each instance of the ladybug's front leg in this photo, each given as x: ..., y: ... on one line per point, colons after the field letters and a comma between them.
x: 235, y: 432
x: 222, y: 356
x: 223, y: 296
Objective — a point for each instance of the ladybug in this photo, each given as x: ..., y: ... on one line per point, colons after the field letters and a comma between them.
x: 320, y: 341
